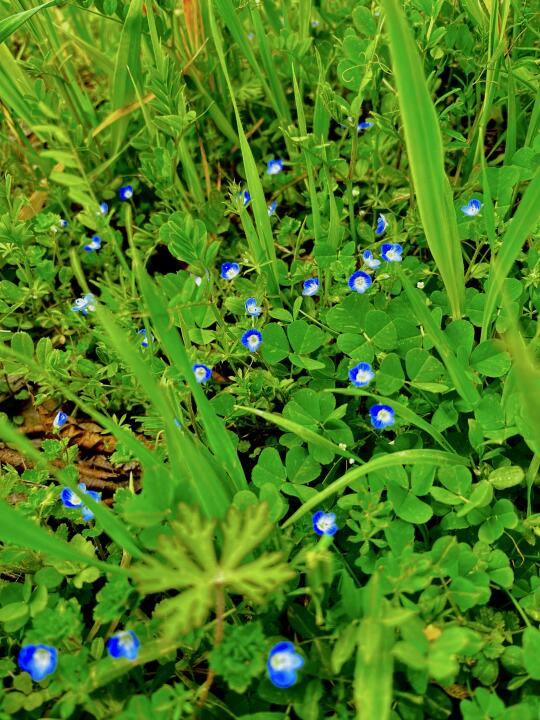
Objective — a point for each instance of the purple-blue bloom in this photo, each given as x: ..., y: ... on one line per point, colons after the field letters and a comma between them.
x: 361, y: 375
x: 274, y: 167
x: 85, y: 304
x: 123, y: 644
x: 229, y: 270
x: 245, y: 197
x: 360, y: 281
x: 391, y: 252
x: 72, y: 500
x: 381, y: 416
x: 63, y: 223
x: 251, y: 340
x: 311, y: 286
x: 145, y: 342
x: 103, y: 209
x: 382, y: 224
x: 93, y: 244
x: 472, y: 208
x: 202, y: 372
x: 282, y: 664
x: 324, y: 523
x: 126, y: 192
x: 252, y: 308
x: 365, y: 125
x: 60, y: 420
x: 272, y: 208
x: 370, y: 260
x: 38, y: 660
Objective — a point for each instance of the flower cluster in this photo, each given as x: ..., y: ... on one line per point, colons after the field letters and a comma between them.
x: 72, y: 500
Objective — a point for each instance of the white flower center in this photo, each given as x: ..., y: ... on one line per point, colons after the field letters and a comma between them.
x: 325, y: 523
x: 392, y: 255
x: 200, y: 373
x: 360, y: 283
x: 282, y: 661
x: 253, y: 340
x: 383, y: 416
x: 42, y: 659
x: 125, y: 641
x: 363, y: 376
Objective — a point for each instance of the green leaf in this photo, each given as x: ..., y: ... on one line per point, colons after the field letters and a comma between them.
x: 407, y: 506
x: 12, y: 23
x: 240, y: 656
x: 531, y: 651
x: 275, y: 346
x: 304, y: 338
x: 467, y: 594
x: 389, y: 378
x: 380, y: 327
x: 505, y: 477
x: 269, y: 469
x: 301, y: 467
x: 489, y: 359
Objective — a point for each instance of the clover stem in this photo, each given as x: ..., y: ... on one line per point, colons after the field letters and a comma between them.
x: 218, y: 637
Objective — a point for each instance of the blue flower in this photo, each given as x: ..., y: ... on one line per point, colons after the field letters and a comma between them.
x: 63, y: 223
x: 177, y: 423
x: 324, y: 523
x: 229, y: 270
x: 124, y: 644
x: 251, y: 340
x: 369, y: 260
x: 94, y: 244
x: 145, y: 342
x: 382, y: 224
x: 472, y: 208
x: 126, y: 192
x: 85, y: 304
x: 364, y: 125
x: 72, y: 500
x: 311, y: 286
x: 361, y: 375
x: 381, y: 416
x: 360, y: 281
x: 391, y: 252
x: 252, y: 308
x: 202, y: 373
x: 274, y: 167
x: 282, y: 664
x: 38, y: 660
x: 103, y: 209
x: 272, y: 208
x: 245, y: 197
x: 60, y: 420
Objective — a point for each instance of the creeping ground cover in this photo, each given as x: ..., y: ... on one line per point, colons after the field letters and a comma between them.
x: 269, y: 350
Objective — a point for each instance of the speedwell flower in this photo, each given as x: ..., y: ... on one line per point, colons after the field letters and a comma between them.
x: 126, y: 192
x: 472, y: 208
x: 244, y: 196
x: 360, y: 281
x: 324, y: 523
x: 282, y: 664
x: 202, y: 373
x: 251, y: 340
x: 311, y: 286
x: 229, y: 270
x: 274, y: 167
x: 85, y: 304
x: 123, y: 644
x: 38, y: 660
x: 63, y: 223
x: 103, y: 209
x: 364, y: 125
x: 60, y: 420
x: 382, y: 224
x: 391, y: 252
x: 93, y: 244
x: 361, y: 375
x: 272, y: 208
x: 252, y: 308
x: 72, y: 500
x: 370, y: 260
x: 144, y: 341
x: 381, y: 416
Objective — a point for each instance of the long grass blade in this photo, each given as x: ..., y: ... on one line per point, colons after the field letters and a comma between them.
x: 426, y: 156
x: 10, y: 24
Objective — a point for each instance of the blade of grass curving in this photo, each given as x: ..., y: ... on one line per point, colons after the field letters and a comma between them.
x: 524, y: 222
x: 10, y: 24
x: 265, y: 252
x: 426, y: 156
x: 112, y: 524
x: 127, y: 57
x: 402, y: 411
x: 459, y: 375
x: 405, y: 457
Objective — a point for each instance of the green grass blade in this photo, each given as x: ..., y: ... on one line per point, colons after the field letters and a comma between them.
x: 405, y: 457
x: 522, y: 224
x: 426, y: 156
x: 10, y: 24
x: 459, y: 375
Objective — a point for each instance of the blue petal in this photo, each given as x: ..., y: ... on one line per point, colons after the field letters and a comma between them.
x: 381, y: 225
x: 282, y: 678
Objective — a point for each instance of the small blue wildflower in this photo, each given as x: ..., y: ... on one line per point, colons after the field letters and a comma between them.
x: 103, y: 209
x: 364, y: 125
x: 311, y: 286
x: 252, y: 308
x: 126, y: 192
x: 324, y: 523
x: 370, y: 260
x: 145, y: 342
x: 202, y: 373
x: 38, y: 660
x: 382, y: 224
x: 124, y: 644
x: 229, y: 270
x: 251, y: 340
x: 361, y: 375
x: 360, y: 281
x: 177, y: 422
x: 70, y: 499
x: 94, y: 244
x: 63, y: 223
x: 282, y: 664
x: 272, y: 208
x: 245, y: 197
x: 86, y: 512
x: 472, y: 208
x: 85, y: 304
x: 60, y: 420
x: 391, y: 252
x: 274, y: 167
x: 381, y: 416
